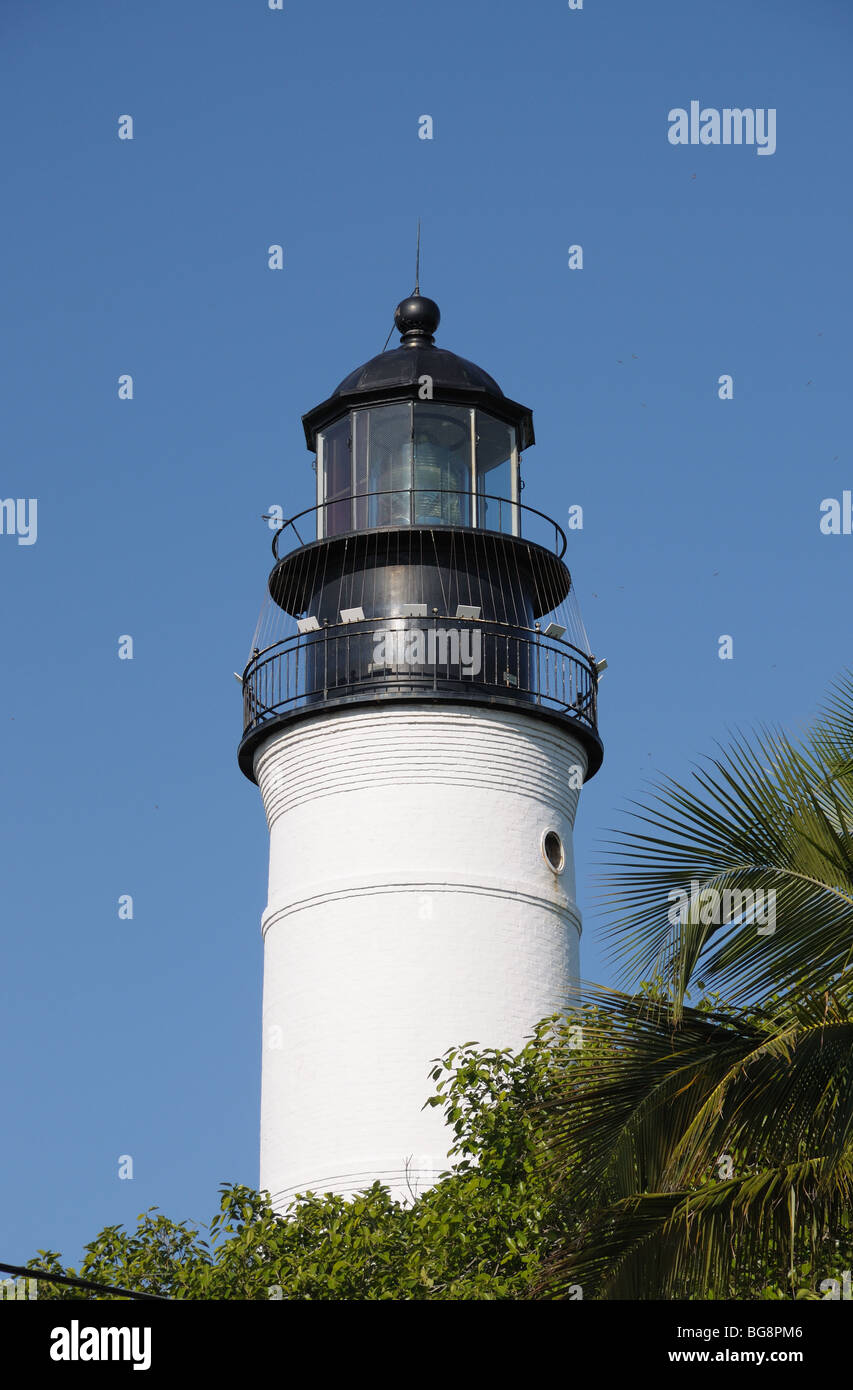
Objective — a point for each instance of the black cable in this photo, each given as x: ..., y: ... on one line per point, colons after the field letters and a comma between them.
x: 79, y: 1283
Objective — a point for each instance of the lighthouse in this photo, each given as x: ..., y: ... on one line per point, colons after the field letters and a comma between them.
x: 419, y: 714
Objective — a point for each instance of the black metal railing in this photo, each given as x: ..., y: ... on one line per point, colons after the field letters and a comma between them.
x: 419, y: 507
x: 404, y: 656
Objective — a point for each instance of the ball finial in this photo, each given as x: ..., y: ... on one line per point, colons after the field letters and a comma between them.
x: 417, y: 318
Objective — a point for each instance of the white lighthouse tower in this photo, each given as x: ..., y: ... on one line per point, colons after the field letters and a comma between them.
x: 419, y: 714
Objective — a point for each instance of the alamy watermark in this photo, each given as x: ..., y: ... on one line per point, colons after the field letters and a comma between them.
x: 19, y: 517
x: 714, y: 906
x: 835, y: 1290
x: 730, y: 126
x: 429, y: 646
x: 836, y: 515
x: 19, y: 1289
x: 76, y: 1343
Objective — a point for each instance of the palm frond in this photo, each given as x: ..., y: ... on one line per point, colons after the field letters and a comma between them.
x: 765, y: 824
x: 639, y: 1142
x: 685, y: 1244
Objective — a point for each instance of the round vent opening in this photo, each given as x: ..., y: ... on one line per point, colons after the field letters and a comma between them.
x: 552, y: 848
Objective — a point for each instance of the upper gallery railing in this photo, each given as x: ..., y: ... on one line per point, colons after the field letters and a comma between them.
x: 417, y: 507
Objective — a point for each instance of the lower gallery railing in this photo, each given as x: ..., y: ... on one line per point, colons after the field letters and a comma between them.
x: 397, y: 656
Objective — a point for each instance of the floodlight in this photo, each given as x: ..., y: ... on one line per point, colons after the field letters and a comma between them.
x: 468, y: 611
x: 352, y: 615
x: 307, y: 625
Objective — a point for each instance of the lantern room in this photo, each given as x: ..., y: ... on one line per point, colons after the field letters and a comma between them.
x: 418, y: 437
x: 414, y: 463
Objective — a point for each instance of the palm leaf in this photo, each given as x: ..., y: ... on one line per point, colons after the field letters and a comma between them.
x: 662, y: 1104
x: 763, y: 818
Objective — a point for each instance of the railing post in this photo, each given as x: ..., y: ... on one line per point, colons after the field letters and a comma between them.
x: 325, y: 658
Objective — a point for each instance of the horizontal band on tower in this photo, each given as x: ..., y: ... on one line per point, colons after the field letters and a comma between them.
x: 401, y: 1182
x: 560, y: 905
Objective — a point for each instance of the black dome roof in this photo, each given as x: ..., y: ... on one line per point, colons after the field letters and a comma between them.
x: 397, y: 375
x: 403, y: 366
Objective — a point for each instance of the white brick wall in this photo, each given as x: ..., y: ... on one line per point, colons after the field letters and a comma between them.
x: 410, y: 908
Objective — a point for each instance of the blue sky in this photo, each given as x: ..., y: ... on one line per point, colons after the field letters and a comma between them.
x: 254, y: 127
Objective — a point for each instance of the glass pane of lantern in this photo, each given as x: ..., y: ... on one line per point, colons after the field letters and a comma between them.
x: 360, y: 436
x: 384, y: 464
x: 495, y: 466
x: 337, y: 478
x: 442, y: 438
